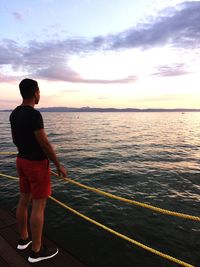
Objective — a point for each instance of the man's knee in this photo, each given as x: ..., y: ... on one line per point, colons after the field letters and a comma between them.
x: 24, y: 200
x: 39, y: 204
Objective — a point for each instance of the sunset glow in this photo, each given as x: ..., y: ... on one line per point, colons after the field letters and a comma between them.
x: 137, y: 54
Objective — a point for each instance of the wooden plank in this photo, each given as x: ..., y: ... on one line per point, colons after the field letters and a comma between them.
x: 63, y: 258
x: 11, y: 256
x: 6, y: 219
x: 10, y: 235
x: 3, y: 263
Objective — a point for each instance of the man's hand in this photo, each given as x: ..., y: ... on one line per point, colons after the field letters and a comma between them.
x: 62, y: 172
x: 43, y: 141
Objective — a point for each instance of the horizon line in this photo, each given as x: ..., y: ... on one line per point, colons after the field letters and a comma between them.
x: 93, y: 109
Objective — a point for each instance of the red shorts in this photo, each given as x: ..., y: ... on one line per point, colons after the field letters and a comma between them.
x: 34, y: 177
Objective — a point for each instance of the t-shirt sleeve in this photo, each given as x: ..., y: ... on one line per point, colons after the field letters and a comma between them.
x: 37, y: 122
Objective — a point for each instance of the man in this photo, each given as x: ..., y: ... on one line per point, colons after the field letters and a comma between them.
x: 32, y: 162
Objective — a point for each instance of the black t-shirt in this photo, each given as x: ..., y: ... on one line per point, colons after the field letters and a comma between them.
x: 24, y: 121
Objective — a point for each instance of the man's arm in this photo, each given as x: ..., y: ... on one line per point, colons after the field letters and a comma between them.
x: 47, y: 148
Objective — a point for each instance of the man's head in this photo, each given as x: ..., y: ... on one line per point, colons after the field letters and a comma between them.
x: 29, y: 89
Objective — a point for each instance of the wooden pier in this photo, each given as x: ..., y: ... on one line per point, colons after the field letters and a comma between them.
x: 11, y: 257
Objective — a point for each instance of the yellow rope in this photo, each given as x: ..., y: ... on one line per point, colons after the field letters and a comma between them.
x: 154, y: 251
x: 130, y: 201
x: 8, y: 153
x: 8, y: 176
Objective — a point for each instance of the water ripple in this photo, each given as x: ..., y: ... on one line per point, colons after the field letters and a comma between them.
x: 148, y: 157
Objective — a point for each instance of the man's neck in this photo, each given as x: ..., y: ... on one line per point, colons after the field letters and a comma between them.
x: 28, y: 102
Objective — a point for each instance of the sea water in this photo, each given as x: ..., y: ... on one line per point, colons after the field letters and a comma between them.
x: 151, y: 157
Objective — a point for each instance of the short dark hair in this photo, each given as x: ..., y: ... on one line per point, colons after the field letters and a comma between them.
x: 27, y: 88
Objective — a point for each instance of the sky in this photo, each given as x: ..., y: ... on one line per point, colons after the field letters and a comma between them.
x: 102, y: 53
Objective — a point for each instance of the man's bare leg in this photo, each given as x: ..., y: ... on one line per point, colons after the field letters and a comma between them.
x: 37, y: 222
x: 22, y: 215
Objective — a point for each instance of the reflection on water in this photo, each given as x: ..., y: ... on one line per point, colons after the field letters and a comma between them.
x: 149, y: 157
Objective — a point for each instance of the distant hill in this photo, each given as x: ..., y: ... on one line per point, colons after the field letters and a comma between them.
x: 88, y: 109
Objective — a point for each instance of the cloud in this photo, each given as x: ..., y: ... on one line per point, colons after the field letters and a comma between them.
x: 61, y: 72
x: 162, y: 98
x: 17, y: 15
x: 102, y: 98
x: 8, y: 78
x: 178, y: 27
x: 174, y: 70
x: 68, y: 91
x: 10, y: 52
x: 129, y: 79
x: 8, y: 104
x: 58, y: 71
